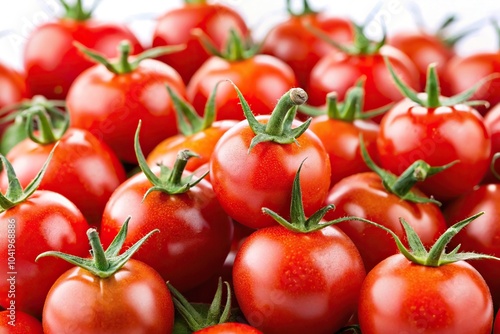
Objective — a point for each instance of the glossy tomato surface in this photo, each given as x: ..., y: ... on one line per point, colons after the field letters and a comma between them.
x: 398, y: 296
x: 18, y: 322
x: 46, y: 221
x: 134, y: 300
x: 195, y: 232
x: 262, y: 80
x: 83, y: 169
x: 52, y: 62
x: 230, y: 328
x: 438, y: 136
x: 121, y: 100
x: 246, y: 180
x: 288, y: 282
x: 12, y: 88
x: 363, y: 195
x: 492, y: 122
x: 176, y: 27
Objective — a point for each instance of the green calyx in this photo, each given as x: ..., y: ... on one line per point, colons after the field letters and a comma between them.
x: 432, y: 97
x: 76, y: 11
x: 279, y: 127
x: 103, y: 263
x: 236, y: 49
x: 170, y: 180
x: 195, y: 2
x: 125, y: 63
x: 15, y: 194
x: 298, y: 221
x: 306, y: 9
x: 188, y: 120
x: 402, y: 186
x: 348, y: 111
x: 197, y: 319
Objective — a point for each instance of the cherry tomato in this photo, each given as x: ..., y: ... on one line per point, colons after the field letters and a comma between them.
x: 12, y: 89
x: 292, y: 41
x: 52, y: 62
x: 45, y: 221
x: 121, y: 99
x: 229, y: 328
x: 18, y: 322
x: 492, y: 122
x: 176, y: 26
x: 482, y: 235
x: 496, y: 326
x: 292, y: 282
x: 399, y: 296
x: 83, y: 169
x: 363, y: 195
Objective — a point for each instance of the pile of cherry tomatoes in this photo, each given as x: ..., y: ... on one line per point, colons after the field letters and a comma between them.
x: 313, y: 181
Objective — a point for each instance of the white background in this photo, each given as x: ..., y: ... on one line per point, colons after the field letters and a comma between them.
x: 19, y: 18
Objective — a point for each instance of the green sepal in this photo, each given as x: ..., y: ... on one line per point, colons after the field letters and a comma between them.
x: 13, y: 134
x: 236, y: 49
x: 298, y: 221
x: 76, y: 10
x: 402, y: 185
x: 306, y: 9
x: 15, y: 194
x: 432, y: 97
x: 188, y: 120
x: 103, y: 264
x: 197, y: 318
x: 125, y: 63
x: 170, y: 180
x: 279, y: 127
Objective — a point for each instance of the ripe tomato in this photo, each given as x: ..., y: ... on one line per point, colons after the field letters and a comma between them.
x: 12, y: 89
x: 176, y: 26
x: 230, y: 328
x: 292, y: 41
x: 124, y: 96
x: 482, y: 235
x: 284, y: 280
x: 492, y: 122
x: 247, y: 176
x: 195, y: 228
x: 50, y: 71
x: 399, y: 296
x: 496, y: 326
x: 83, y: 169
x: 18, y: 322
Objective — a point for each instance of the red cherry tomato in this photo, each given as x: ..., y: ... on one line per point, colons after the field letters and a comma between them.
x: 363, y: 195
x: 121, y: 100
x: 438, y: 136
x: 492, y: 122
x: 82, y: 169
x: 481, y: 235
x: 51, y: 60
x: 17, y: 322
x: 292, y: 282
x: 134, y: 300
x: 229, y: 328
x: 496, y: 326
x: 399, y: 296
x: 262, y: 79
x: 175, y: 27
x: 45, y: 221
x: 292, y: 42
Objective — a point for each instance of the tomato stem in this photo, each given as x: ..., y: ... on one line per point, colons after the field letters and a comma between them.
x: 101, y: 263
x: 306, y: 9
x: 432, y: 87
x: 195, y: 2
x: 276, y: 124
x: 77, y: 11
x: 123, y: 65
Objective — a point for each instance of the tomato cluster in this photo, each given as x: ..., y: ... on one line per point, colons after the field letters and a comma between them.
x: 330, y: 182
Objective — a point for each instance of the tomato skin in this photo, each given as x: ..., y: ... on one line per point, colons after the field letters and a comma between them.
x: 461, y: 73
x: 438, y: 136
x: 341, y: 141
x: 45, y: 221
x: 262, y: 80
x: 481, y: 235
x: 12, y: 89
x: 398, y: 296
x: 50, y: 71
x: 82, y: 169
x: 492, y: 122
x: 339, y: 71
x: 363, y: 195
x: 120, y: 101
x: 23, y: 323
x: 292, y: 42
x: 202, y: 143
x: 496, y: 325
x: 423, y: 49
x: 229, y: 328
x: 288, y: 282
x: 175, y: 27
x: 134, y: 300
x: 194, y: 229
x: 245, y: 181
